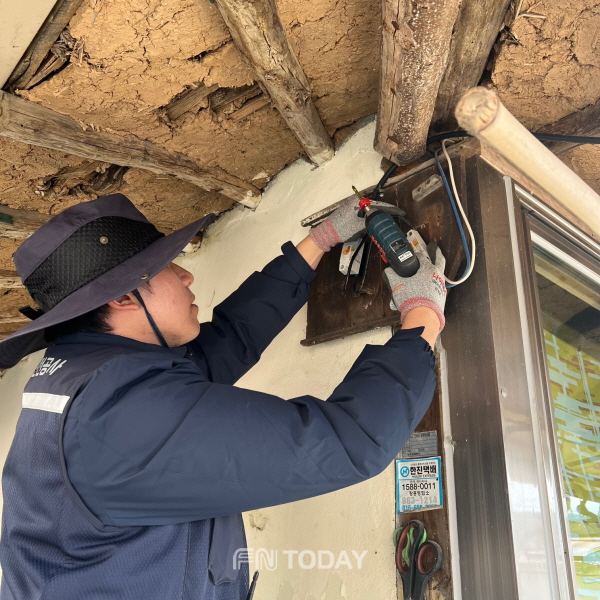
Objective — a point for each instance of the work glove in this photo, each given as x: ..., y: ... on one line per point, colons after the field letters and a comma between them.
x: 426, y: 287
x: 341, y: 225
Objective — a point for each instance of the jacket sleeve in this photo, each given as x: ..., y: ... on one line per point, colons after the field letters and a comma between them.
x: 246, y: 322
x: 158, y: 445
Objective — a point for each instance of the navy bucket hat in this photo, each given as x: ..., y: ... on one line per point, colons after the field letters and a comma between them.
x: 84, y: 257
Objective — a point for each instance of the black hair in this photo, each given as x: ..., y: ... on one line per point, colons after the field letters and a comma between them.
x: 95, y: 321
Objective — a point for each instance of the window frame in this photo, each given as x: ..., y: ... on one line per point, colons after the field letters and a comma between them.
x: 510, y: 527
x: 543, y: 227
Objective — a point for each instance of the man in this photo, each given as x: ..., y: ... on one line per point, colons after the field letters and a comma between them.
x: 134, y: 454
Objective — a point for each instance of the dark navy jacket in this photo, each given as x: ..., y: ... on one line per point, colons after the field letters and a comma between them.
x: 131, y: 462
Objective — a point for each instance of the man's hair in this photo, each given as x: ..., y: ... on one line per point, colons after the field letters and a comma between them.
x: 95, y: 321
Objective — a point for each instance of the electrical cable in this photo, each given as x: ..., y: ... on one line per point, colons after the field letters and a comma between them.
x: 545, y: 137
x: 381, y: 186
x: 405, y: 221
x: 453, y: 193
x: 469, y: 269
x: 363, y: 268
x: 382, y: 181
x: 354, y: 255
x: 455, y: 210
x: 455, y: 202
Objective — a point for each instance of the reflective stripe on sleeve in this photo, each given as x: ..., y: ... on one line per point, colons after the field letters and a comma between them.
x: 41, y: 401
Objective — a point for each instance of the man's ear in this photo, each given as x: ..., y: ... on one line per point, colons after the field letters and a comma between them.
x: 125, y: 302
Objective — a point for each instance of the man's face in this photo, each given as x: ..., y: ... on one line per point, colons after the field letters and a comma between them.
x: 170, y: 302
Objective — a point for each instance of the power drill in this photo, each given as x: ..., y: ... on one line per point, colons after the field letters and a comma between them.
x: 395, y: 248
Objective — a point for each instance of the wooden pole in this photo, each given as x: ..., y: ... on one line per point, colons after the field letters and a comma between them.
x: 188, y: 101
x: 6, y: 318
x: 19, y: 224
x: 482, y: 114
x: 30, y: 123
x: 9, y: 280
x: 415, y: 44
x: 475, y: 32
x: 57, y: 20
x: 249, y: 108
x: 258, y: 33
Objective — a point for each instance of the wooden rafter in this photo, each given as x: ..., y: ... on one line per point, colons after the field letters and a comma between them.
x: 224, y: 97
x: 30, y: 123
x: 7, y: 318
x: 415, y: 43
x: 236, y: 104
x: 475, y: 31
x: 583, y: 122
x: 91, y: 177
x: 19, y: 224
x: 258, y: 33
x: 188, y: 101
x: 50, y: 31
x: 249, y: 107
x: 9, y: 280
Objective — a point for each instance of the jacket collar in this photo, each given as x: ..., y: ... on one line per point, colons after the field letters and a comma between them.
x: 109, y: 339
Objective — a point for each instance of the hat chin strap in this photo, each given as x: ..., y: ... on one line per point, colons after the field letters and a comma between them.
x: 156, y: 330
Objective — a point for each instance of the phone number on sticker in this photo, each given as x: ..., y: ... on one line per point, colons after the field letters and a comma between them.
x: 424, y: 485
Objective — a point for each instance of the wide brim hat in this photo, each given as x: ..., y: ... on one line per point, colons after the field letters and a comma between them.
x: 83, y: 258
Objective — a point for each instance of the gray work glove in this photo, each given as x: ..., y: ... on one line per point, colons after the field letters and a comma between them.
x: 425, y: 288
x: 341, y: 225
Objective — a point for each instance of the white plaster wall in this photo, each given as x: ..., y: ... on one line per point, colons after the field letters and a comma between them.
x: 358, y: 518
x: 19, y: 23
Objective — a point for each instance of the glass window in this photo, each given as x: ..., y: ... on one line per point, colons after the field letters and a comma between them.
x: 570, y: 303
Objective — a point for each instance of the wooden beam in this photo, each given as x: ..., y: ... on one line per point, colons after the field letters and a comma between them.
x: 258, y: 33
x: 57, y: 20
x: 30, y: 123
x: 108, y: 181
x: 249, y: 107
x: 583, y: 122
x: 91, y: 176
x: 188, y: 101
x: 59, y: 55
x: 475, y: 32
x: 10, y: 280
x: 223, y: 97
x: 8, y: 317
x: 19, y: 224
x: 414, y: 53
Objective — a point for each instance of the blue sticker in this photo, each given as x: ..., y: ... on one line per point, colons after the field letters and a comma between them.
x: 418, y: 484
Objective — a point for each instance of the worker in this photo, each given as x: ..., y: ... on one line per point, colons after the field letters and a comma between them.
x: 134, y: 453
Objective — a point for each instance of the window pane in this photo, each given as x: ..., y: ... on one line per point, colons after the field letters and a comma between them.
x: 571, y: 318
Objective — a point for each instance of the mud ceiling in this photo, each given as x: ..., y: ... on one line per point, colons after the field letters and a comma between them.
x: 140, y: 54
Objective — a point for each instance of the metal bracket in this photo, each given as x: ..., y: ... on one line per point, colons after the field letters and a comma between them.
x: 427, y: 187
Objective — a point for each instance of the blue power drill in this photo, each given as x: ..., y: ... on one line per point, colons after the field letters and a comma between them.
x: 395, y: 248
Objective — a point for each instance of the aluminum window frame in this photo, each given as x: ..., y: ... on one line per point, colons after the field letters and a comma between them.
x: 557, y: 236
x: 505, y: 548
x: 511, y: 527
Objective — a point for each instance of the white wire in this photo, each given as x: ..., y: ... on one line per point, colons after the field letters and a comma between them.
x: 464, y: 217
